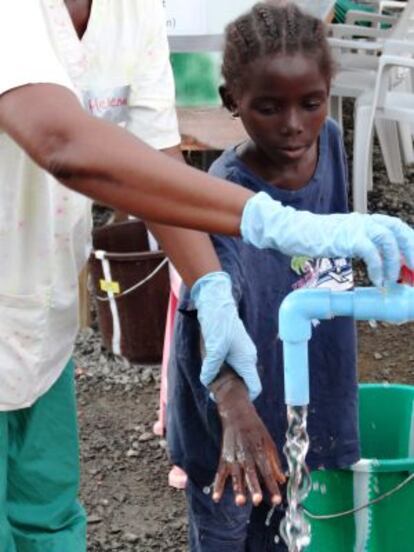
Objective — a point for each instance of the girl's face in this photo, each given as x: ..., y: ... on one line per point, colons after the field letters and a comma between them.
x: 282, y: 101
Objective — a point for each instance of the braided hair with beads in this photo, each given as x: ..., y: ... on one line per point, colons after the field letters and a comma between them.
x: 273, y: 27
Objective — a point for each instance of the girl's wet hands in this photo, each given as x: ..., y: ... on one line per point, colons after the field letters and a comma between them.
x: 248, y: 455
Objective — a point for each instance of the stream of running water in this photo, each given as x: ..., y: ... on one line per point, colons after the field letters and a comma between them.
x: 295, y: 529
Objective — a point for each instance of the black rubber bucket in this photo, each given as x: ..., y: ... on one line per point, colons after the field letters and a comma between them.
x: 131, y: 285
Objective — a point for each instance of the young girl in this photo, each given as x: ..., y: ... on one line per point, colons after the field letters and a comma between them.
x: 277, y: 70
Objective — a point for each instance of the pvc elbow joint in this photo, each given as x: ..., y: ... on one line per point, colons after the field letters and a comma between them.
x: 394, y: 305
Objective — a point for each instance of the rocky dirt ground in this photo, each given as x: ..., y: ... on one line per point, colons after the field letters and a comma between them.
x: 125, y: 468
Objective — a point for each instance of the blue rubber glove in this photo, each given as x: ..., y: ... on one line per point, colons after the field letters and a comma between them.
x: 379, y: 240
x: 224, y: 334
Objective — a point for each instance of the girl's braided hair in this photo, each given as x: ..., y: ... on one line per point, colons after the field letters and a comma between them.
x: 274, y: 27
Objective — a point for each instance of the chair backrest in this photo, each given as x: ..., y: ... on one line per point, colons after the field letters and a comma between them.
x: 401, y: 29
x: 397, y: 62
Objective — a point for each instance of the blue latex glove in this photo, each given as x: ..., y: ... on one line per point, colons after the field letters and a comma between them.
x: 224, y: 334
x: 379, y: 240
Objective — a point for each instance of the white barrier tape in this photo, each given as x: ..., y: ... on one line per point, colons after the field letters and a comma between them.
x: 362, y: 485
x: 116, y: 325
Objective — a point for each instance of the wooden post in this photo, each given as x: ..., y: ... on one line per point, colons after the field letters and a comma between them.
x: 84, y: 300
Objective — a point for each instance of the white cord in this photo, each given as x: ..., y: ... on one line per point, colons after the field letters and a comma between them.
x: 354, y: 510
x: 136, y: 286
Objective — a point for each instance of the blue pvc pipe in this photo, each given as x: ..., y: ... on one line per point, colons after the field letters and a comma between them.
x: 300, y: 308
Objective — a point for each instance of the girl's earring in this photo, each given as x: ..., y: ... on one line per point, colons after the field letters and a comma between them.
x: 235, y: 114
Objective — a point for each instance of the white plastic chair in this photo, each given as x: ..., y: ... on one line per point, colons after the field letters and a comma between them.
x: 381, y: 5
x: 386, y: 106
x: 357, y: 47
x: 358, y: 51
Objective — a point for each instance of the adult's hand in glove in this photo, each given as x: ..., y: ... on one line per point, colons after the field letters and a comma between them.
x: 225, y: 337
x: 381, y: 241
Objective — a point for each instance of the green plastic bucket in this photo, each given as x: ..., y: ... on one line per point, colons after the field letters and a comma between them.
x: 370, y: 508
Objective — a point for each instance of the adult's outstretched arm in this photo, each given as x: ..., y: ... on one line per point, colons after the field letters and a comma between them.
x: 108, y: 164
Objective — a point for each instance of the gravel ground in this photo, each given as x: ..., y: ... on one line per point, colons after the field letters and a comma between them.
x: 125, y: 468
x: 124, y: 484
